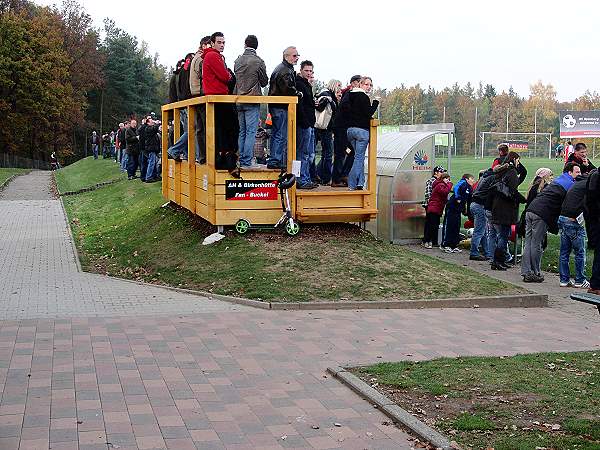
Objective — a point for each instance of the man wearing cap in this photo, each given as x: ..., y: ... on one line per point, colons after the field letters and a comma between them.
x: 342, y: 159
x: 437, y: 173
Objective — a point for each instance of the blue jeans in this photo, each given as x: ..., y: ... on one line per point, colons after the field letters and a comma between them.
x: 312, y: 154
x: 278, y: 156
x: 325, y: 167
x: 572, y: 237
x: 132, y: 164
x: 303, y: 154
x: 248, y: 119
x: 480, y: 230
x: 143, y: 165
x: 95, y: 151
x: 124, y: 160
x: 359, y: 139
x: 492, y: 239
x: 151, y: 169
x: 180, y: 147
x: 502, y: 235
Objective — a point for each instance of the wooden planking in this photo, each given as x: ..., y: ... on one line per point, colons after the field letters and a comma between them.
x: 185, y: 201
x: 202, y: 210
x: 171, y: 195
x: 171, y: 184
x: 201, y: 196
x: 258, y: 217
x: 164, y: 160
x: 329, y: 202
x: 190, y: 166
x: 260, y: 99
x: 336, y: 218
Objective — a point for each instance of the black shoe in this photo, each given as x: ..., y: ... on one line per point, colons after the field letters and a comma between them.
x: 477, y: 258
x: 309, y: 185
x: 497, y: 266
x: 274, y: 166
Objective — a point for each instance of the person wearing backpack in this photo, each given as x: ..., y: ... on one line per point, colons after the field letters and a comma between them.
x: 326, y: 106
x: 251, y: 76
x: 505, y: 206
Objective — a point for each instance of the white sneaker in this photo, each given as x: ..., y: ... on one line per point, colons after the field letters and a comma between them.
x: 456, y: 250
x: 447, y: 249
x: 428, y: 245
x: 566, y: 284
x: 585, y: 284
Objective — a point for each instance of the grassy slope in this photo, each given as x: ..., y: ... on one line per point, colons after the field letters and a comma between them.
x: 85, y: 173
x: 121, y: 229
x: 5, y: 174
x: 503, y: 403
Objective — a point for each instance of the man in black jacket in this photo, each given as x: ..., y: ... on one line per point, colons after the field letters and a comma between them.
x: 282, y: 82
x: 579, y: 157
x: 342, y: 159
x: 572, y: 235
x: 142, y: 149
x: 592, y: 209
x: 305, y: 119
x: 133, y: 149
x: 152, y: 146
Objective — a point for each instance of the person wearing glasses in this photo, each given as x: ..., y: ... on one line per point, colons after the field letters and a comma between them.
x: 282, y: 82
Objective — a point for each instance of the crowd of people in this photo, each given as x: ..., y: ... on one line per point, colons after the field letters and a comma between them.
x: 133, y: 147
x: 338, y: 118
x: 568, y: 205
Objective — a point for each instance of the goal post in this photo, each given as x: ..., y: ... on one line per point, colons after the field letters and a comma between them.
x: 531, y: 145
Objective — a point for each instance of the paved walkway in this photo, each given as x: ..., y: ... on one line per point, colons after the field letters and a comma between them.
x: 558, y: 297
x: 234, y: 378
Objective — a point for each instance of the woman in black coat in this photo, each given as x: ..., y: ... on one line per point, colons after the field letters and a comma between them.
x: 505, y: 206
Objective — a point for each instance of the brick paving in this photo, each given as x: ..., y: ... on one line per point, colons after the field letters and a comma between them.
x: 558, y: 297
x: 105, y: 378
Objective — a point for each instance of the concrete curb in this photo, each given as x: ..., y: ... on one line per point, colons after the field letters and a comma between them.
x: 7, y: 181
x: 90, y: 188
x: 390, y: 409
x: 71, y: 237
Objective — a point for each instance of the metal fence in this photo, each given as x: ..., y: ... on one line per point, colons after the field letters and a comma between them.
x: 14, y: 161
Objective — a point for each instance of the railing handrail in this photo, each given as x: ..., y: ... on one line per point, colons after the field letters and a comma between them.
x: 256, y: 99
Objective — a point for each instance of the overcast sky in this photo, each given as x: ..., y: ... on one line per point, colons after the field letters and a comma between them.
x: 430, y: 42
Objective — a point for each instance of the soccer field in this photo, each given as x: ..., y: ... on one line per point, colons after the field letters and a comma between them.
x: 467, y: 164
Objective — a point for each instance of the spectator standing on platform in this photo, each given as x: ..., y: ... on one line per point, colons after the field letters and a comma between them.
x: 343, y: 153
x: 360, y: 111
x: 305, y: 115
x: 251, y: 76
x: 282, y: 82
x: 326, y: 106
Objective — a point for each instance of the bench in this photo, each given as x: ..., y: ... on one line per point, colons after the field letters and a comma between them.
x: 592, y: 299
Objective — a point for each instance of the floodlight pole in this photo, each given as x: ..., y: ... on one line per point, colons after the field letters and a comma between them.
x: 535, y: 135
x: 507, y: 111
x: 444, y: 117
x: 412, y: 114
x: 475, y: 135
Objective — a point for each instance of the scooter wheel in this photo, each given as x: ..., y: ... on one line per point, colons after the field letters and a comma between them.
x: 242, y: 226
x: 292, y: 229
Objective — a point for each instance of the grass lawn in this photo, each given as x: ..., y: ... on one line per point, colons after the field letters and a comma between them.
x: 87, y: 172
x: 5, y: 173
x: 121, y: 230
x: 545, y: 400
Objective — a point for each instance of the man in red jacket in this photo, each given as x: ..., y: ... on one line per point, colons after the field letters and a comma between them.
x: 216, y: 80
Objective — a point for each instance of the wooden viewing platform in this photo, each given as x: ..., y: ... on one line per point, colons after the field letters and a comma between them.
x: 201, y: 188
